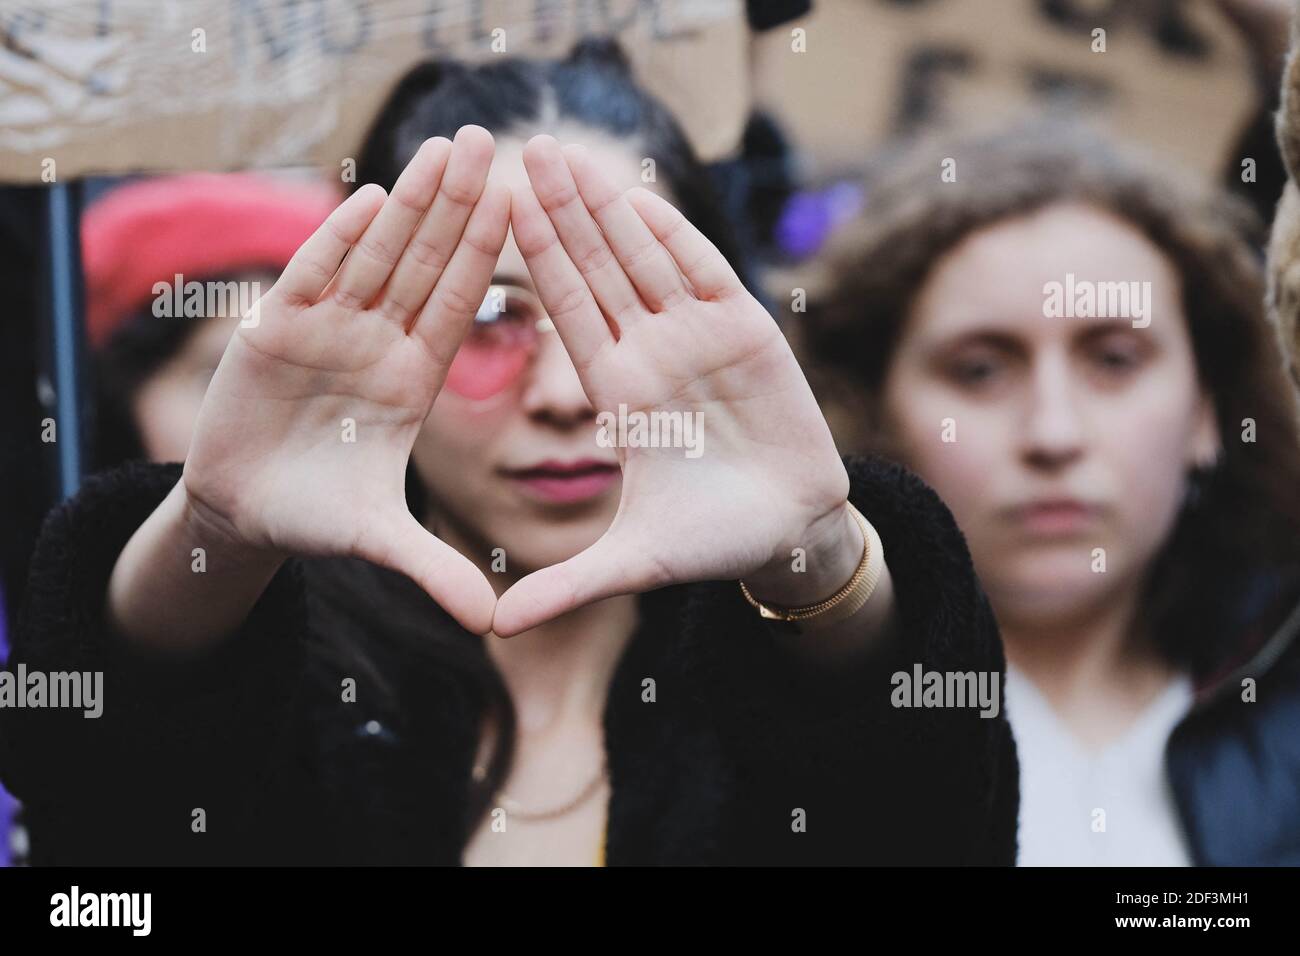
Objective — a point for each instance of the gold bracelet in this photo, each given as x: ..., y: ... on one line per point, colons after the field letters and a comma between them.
x: 845, y: 602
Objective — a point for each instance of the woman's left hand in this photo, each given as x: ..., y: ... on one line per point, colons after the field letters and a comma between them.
x: 656, y: 321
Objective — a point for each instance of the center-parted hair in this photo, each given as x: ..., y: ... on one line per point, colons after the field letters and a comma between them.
x: 593, y: 87
x: 1247, y: 510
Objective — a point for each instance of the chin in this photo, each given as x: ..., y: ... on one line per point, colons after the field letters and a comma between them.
x: 540, y: 544
x: 1050, y: 588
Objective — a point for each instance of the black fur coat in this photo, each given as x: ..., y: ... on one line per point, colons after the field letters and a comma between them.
x: 714, y: 771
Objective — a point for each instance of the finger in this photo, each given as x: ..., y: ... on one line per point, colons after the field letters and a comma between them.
x: 605, y: 569
x: 402, y: 544
x: 581, y: 238
x: 460, y: 291
x: 564, y: 293
x: 317, y: 260
x: 704, y: 267
x: 435, y: 239
x: 644, y: 259
x: 375, y: 254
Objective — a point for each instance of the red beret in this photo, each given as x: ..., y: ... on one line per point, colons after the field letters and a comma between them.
x: 200, y: 225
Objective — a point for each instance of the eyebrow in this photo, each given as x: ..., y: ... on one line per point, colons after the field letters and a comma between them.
x: 1004, y: 341
x: 992, y: 335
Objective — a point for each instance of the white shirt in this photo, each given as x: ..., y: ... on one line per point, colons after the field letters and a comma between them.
x: 1111, y: 808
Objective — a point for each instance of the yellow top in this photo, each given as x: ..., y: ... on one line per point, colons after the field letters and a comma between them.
x: 600, y: 854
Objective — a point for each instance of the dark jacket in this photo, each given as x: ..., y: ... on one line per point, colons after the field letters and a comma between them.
x: 711, y: 772
x: 1233, y: 762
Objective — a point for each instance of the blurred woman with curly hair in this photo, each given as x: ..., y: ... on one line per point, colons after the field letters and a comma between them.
x: 1127, y: 478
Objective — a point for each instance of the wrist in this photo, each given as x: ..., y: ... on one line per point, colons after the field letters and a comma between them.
x: 195, y: 521
x: 816, y: 566
x: 180, y: 582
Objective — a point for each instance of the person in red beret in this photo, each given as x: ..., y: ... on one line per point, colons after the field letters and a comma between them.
x: 171, y: 265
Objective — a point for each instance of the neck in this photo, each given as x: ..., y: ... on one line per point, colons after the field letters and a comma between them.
x: 1096, y: 667
x: 1095, y: 654
x: 558, y: 673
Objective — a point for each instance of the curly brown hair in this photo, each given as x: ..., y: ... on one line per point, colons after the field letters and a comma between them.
x: 1249, y: 513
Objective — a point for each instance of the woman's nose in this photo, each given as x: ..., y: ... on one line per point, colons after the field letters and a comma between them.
x: 554, y: 392
x: 1053, y: 429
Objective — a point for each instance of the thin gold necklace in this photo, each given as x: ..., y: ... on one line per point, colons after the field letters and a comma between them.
x: 516, y: 810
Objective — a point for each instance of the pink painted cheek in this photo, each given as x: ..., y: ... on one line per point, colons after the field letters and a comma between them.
x: 477, y: 373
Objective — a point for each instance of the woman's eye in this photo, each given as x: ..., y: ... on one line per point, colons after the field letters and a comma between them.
x: 506, y: 318
x: 1116, y: 357
x: 973, y: 372
x: 508, y: 327
x: 1112, y: 359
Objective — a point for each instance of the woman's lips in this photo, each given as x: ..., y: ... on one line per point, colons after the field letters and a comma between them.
x: 1054, y: 517
x: 560, y: 482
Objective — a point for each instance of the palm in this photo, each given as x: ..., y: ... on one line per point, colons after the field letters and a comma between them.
x: 732, y: 369
x: 303, y: 438
x: 657, y: 322
x: 303, y: 413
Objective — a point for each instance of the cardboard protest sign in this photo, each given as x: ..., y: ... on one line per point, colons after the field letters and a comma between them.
x: 1173, y: 75
x: 113, y: 86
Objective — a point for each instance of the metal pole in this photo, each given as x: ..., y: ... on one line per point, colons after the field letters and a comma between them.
x: 66, y: 350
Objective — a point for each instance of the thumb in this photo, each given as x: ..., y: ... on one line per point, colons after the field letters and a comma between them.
x: 402, y: 544
x: 607, y: 568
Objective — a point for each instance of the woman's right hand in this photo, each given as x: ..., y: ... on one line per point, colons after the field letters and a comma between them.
x: 302, y: 442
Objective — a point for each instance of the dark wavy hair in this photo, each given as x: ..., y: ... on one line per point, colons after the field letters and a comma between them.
x: 1246, y: 512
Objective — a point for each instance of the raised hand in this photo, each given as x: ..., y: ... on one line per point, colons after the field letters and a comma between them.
x: 302, y: 442
x: 655, y: 320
